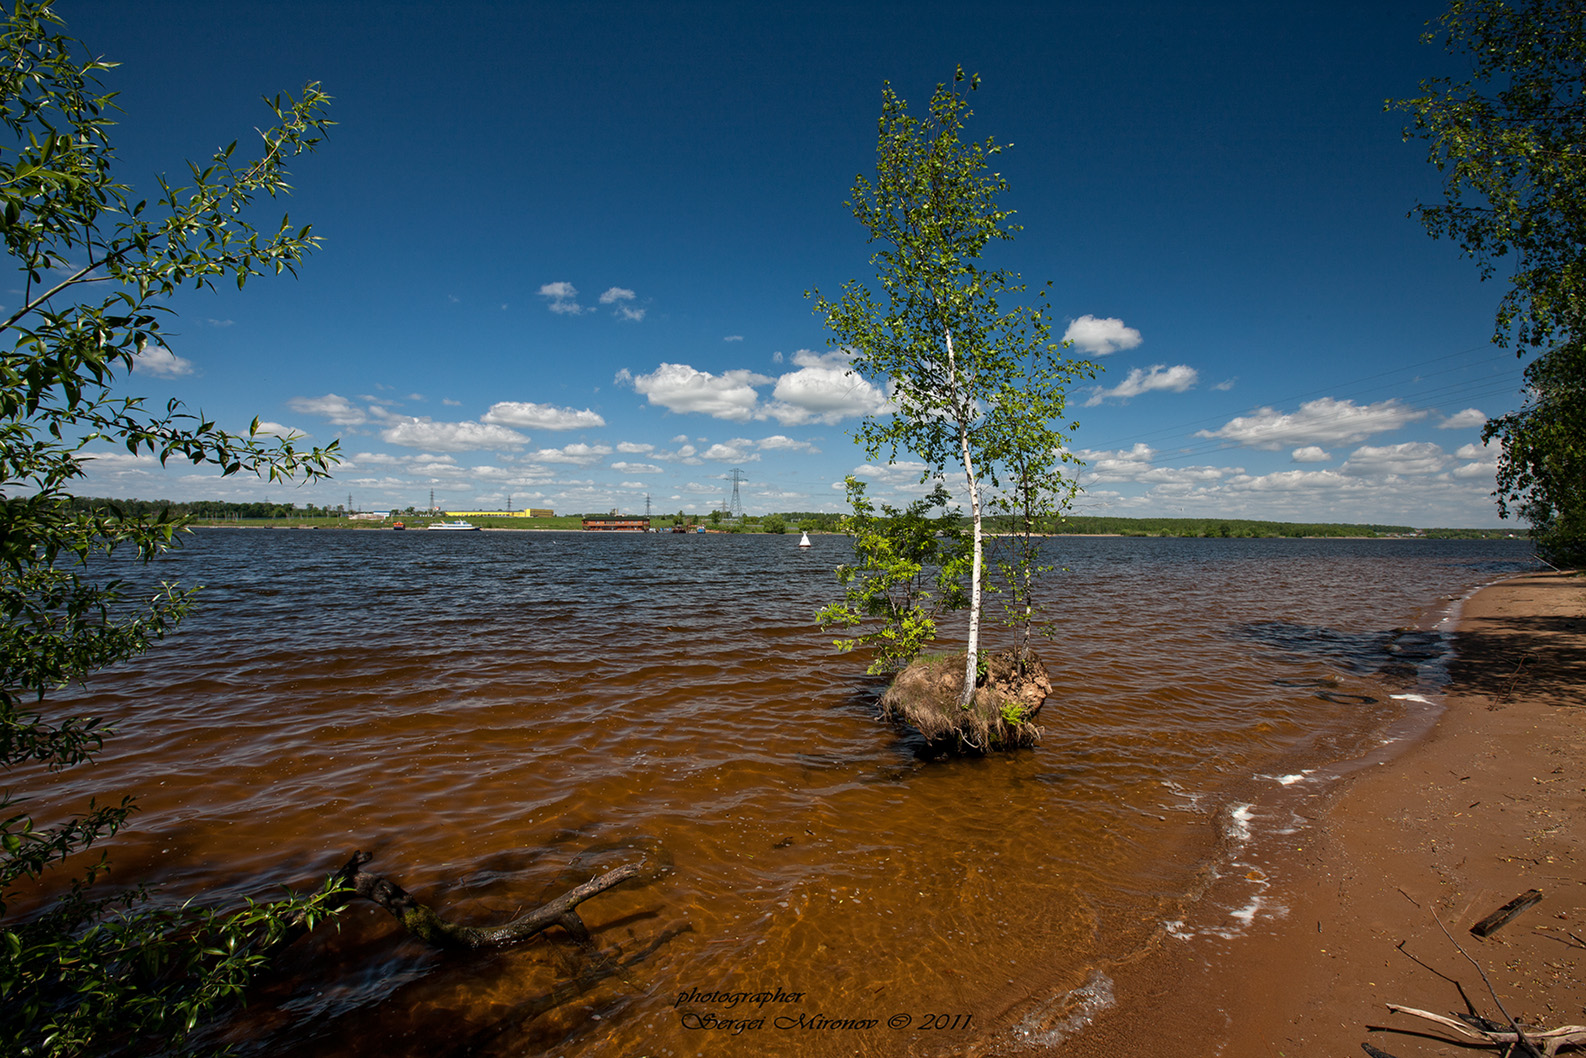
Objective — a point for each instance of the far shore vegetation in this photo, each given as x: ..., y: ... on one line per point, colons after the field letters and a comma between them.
x: 211, y: 513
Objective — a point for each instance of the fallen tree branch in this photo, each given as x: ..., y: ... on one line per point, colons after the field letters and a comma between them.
x: 1549, y: 1039
x: 419, y: 920
x: 1520, y: 1039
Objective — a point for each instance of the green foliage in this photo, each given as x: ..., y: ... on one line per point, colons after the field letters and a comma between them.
x: 1508, y: 141
x: 1036, y: 492
x: 95, y: 974
x: 1013, y: 713
x: 908, y: 571
x: 89, y: 970
x: 773, y: 523
x: 812, y: 521
x: 1542, y: 469
x: 975, y: 384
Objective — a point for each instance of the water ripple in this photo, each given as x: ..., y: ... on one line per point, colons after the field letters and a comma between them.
x: 490, y: 711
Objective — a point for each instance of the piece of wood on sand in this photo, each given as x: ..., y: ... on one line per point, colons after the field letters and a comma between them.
x: 1500, y: 918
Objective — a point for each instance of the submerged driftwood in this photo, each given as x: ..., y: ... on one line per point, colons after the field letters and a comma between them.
x: 352, y: 882
x: 419, y: 920
x: 1008, y: 695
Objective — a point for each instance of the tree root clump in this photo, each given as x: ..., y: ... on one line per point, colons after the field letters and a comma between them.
x: 1008, y: 695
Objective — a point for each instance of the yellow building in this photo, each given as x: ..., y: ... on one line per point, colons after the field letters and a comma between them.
x: 532, y: 512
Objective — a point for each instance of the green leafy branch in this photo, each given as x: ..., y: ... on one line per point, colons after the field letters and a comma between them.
x: 908, y: 570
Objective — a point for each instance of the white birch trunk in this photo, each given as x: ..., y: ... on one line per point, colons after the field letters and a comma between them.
x: 972, y: 650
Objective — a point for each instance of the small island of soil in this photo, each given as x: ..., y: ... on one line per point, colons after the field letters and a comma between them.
x: 1009, y: 693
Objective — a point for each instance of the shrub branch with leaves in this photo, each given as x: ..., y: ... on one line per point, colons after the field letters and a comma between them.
x: 1510, y: 143
x: 908, y: 570
x: 92, y: 972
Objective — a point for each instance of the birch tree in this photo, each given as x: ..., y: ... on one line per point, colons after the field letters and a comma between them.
x: 943, y: 330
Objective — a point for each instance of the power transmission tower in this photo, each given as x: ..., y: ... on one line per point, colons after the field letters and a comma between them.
x: 736, y: 509
x: 647, y: 505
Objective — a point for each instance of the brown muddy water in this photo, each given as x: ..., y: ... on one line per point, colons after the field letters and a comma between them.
x: 499, y: 715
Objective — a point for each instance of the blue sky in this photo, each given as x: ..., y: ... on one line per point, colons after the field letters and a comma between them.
x: 566, y: 248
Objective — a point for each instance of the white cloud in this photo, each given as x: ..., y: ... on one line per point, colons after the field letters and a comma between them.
x: 101, y: 460
x: 1136, y: 464
x: 563, y: 298
x: 450, y: 436
x: 1463, y: 420
x: 540, y: 416
x: 1480, y: 470
x: 825, y: 390
x: 1311, y: 454
x: 682, y: 454
x: 578, y: 454
x: 902, y: 475
x: 390, y: 460
x: 635, y: 468
x: 737, y: 450
x: 339, y: 410
x: 822, y: 390
x: 275, y: 429
x: 1291, y: 481
x: 1174, y: 379
x: 779, y: 443
x: 633, y: 448
x: 1412, y: 457
x: 1475, y: 451
x: 680, y: 388
x: 1324, y: 421
x: 158, y: 360
x: 1100, y: 337
x: 620, y: 298
x: 1117, y: 466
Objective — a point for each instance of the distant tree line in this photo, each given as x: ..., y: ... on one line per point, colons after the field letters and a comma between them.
x: 1219, y: 527
x: 203, y: 509
x: 824, y: 521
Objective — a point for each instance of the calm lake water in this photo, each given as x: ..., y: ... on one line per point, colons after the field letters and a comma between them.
x: 499, y: 715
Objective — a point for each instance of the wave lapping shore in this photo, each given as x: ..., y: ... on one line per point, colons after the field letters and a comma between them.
x: 1379, y: 900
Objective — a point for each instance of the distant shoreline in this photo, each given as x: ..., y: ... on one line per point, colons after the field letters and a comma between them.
x: 376, y: 527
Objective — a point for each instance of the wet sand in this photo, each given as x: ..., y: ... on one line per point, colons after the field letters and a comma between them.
x: 1491, y: 804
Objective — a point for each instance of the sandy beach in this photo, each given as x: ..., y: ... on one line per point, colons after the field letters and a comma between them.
x: 1489, y: 805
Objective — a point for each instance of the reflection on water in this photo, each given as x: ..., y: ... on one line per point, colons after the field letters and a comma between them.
x: 497, y: 716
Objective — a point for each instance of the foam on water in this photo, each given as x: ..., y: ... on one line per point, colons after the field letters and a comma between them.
x: 1067, y: 1015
